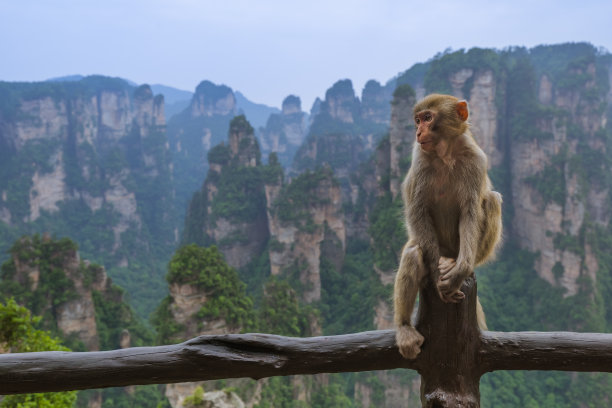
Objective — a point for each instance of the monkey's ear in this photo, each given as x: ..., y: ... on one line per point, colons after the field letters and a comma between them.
x: 462, y: 110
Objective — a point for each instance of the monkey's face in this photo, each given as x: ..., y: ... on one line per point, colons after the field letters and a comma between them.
x: 439, y: 120
x: 425, y: 136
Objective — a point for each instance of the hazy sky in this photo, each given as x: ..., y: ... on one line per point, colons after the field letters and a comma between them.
x: 268, y: 49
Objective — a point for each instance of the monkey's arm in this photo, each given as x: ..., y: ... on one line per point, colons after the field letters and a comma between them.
x: 474, y: 180
x: 421, y: 230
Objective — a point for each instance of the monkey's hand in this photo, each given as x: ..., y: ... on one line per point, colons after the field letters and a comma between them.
x: 409, y: 341
x: 445, y: 265
x: 450, y: 280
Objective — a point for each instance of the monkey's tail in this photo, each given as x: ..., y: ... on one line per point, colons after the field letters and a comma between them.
x: 492, y: 227
x: 480, y: 316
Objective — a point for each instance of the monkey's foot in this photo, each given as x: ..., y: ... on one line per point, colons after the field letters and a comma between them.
x: 409, y: 341
x: 452, y: 297
x: 450, y: 281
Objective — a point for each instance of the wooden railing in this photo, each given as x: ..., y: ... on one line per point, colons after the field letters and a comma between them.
x: 454, y: 357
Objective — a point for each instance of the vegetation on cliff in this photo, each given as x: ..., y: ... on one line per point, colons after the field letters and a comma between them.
x: 298, y: 197
x: 96, y: 168
x: 44, y: 274
x: 19, y: 333
x: 205, y: 269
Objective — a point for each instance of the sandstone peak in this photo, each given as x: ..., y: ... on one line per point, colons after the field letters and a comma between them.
x: 143, y: 92
x: 244, y: 147
x: 292, y: 104
x: 341, y: 103
x: 210, y: 99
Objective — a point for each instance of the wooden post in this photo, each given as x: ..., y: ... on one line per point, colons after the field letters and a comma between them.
x: 448, y: 362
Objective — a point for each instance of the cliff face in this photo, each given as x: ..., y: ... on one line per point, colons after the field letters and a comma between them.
x: 206, y: 297
x: 49, y: 277
x: 558, y: 178
x: 284, y: 132
x: 306, y: 224
x: 343, y: 133
x: 193, y: 132
x: 212, y: 100
x: 401, y: 136
x: 84, y: 158
x: 375, y: 102
x: 483, y: 108
x: 230, y: 209
x: 186, y: 301
x: 244, y: 206
x: 93, y: 123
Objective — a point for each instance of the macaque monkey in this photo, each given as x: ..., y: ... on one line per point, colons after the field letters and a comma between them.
x: 452, y: 216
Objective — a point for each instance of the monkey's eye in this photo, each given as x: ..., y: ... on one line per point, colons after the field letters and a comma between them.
x: 428, y: 117
x: 417, y: 120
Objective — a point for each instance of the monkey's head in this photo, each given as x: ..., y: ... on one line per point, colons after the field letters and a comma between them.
x: 439, y: 118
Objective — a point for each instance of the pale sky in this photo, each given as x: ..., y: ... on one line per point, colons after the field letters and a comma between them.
x: 268, y: 49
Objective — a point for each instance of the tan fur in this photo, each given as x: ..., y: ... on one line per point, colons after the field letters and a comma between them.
x: 452, y: 216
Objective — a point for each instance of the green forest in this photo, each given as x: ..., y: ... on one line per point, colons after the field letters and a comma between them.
x: 163, y: 231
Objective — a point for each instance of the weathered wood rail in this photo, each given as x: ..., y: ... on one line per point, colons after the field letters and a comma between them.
x: 454, y: 357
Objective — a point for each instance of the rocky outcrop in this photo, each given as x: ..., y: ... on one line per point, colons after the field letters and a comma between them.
x: 177, y: 395
x: 48, y: 189
x: 341, y: 103
x: 148, y: 108
x: 553, y: 202
x: 187, y: 300
x: 232, y: 211
x: 193, y: 132
x: 375, y: 102
x: 383, y: 316
x: 343, y: 135
x: 76, y: 316
x: 284, y: 132
x: 212, y: 100
x: 52, y: 270
x: 483, y: 108
x: 387, y: 390
x: 401, y: 136
x: 306, y: 221
x: 202, y: 279
x: 458, y: 79
x: 89, y: 142
x: 484, y: 116
x: 340, y: 135
x: 244, y: 148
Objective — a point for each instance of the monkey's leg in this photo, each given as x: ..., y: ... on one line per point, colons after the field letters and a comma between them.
x: 445, y: 265
x: 407, y: 283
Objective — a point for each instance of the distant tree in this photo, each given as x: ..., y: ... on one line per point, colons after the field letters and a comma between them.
x: 18, y: 334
